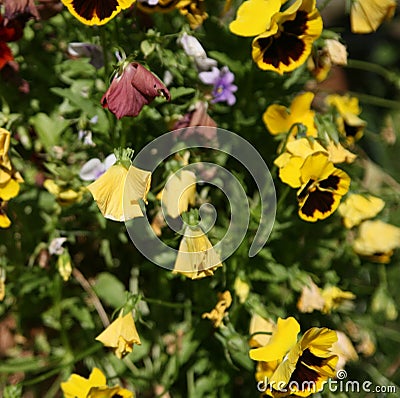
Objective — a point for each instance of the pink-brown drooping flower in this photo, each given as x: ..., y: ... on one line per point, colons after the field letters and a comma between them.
x: 131, y: 89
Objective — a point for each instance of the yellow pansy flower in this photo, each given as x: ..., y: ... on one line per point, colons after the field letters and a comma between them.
x: 334, y: 297
x: 377, y: 240
x: 278, y: 119
x: 120, y: 335
x: 119, y: 190
x: 96, y: 12
x: 287, y: 43
x: 323, y: 186
x: 367, y: 15
x: 217, y: 314
x: 357, y: 208
x: 93, y: 387
x: 349, y: 123
x: 196, y: 257
x: 179, y: 193
x: 308, y: 359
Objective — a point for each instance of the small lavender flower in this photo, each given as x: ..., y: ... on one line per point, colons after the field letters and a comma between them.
x: 94, y: 168
x: 222, y: 81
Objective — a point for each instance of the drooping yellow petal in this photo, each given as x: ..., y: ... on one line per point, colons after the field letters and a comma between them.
x: 119, y: 190
x: 196, y: 257
x: 367, y: 15
x: 318, y: 341
x: 120, y: 335
x: 339, y: 154
x: 280, y: 343
x: 357, y: 208
x: 217, y: 314
x: 260, y: 324
x: 179, y: 193
x: 344, y: 349
x: 254, y: 17
x: 334, y: 297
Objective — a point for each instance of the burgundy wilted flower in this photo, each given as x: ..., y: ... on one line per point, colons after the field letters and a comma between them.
x: 131, y: 89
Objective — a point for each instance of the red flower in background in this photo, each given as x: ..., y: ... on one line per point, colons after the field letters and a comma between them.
x: 131, y: 89
x: 10, y: 32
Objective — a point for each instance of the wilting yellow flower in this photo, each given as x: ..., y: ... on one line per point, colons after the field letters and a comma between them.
x: 96, y: 12
x: 217, y: 314
x: 344, y: 349
x: 120, y: 335
x: 260, y: 331
x: 334, y: 297
x: 119, y: 190
x: 196, y: 257
x: 93, y: 387
x: 377, y: 240
x: 321, y: 61
x: 64, y: 196
x: 357, y: 208
x: 339, y: 154
x: 349, y: 124
x: 179, y: 193
x: 307, y: 360
x: 311, y: 298
x: 279, y: 119
x: 194, y: 10
x: 64, y: 265
x: 242, y: 289
x: 367, y: 15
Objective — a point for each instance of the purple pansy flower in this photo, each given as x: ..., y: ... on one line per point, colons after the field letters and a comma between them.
x: 222, y: 80
x: 94, y: 168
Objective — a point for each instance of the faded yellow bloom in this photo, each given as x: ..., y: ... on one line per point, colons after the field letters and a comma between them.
x: 367, y: 15
x: 64, y: 265
x: 179, y: 193
x: 357, y: 208
x: 339, y: 154
x: 242, y: 289
x: 63, y: 196
x: 120, y: 335
x: 217, y: 314
x: 196, y: 257
x: 377, y: 240
x: 311, y: 298
x: 334, y: 297
x: 119, y: 190
x: 93, y: 387
x: 344, y: 349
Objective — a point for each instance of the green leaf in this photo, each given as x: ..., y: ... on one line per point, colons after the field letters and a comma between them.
x: 110, y: 290
x: 177, y: 92
x: 13, y: 391
x: 49, y: 129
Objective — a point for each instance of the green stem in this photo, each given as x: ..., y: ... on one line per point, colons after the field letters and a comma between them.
x: 382, y: 275
x: 163, y: 303
x: 392, y: 77
x: 376, y: 101
x: 282, y: 197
